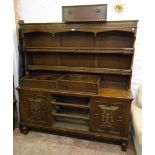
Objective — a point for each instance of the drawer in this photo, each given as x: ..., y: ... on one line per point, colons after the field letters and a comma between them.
x: 79, y: 83
x: 48, y: 82
x: 84, y: 13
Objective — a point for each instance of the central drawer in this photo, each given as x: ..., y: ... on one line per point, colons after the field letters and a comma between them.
x: 79, y: 83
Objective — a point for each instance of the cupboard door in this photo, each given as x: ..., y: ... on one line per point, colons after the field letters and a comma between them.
x: 106, y: 117
x: 34, y: 107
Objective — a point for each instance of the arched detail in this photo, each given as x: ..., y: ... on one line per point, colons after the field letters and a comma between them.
x: 115, y: 38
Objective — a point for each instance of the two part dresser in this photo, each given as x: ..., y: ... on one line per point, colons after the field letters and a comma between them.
x: 77, y: 78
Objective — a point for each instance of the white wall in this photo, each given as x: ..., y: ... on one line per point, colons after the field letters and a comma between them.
x: 15, y: 62
x: 50, y: 11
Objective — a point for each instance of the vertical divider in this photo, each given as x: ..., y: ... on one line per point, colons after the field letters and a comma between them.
x: 96, y: 57
x: 59, y: 59
x: 96, y: 61
x: 59, y: 55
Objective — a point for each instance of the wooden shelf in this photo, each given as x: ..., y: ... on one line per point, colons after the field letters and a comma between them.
x: 70, y: 126
x: 71, y: 105
x: 80, y: 50
x: 79, y: 69
x: 116, y: 93
x: 74, y: 116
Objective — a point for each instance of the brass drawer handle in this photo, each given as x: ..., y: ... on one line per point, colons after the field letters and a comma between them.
x: 90, y: 86
x: 96, y: 115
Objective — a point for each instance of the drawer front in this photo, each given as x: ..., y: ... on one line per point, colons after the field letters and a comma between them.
x: 38, y: 84
x: 78, y: 86
x: 84, y: 13
x: 34, y: 107
x: 109, y: 117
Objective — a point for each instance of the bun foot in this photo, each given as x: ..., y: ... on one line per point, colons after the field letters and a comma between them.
x: 124, y: 145
x: 24, y: 129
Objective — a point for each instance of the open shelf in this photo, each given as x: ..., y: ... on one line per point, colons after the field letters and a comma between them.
x: 70, y: 105
x: 80, y: 69
x: 67, y: 123
x: 72, y: 115
x: 71, y: 102
x: 77, y: 38
x: 70, y: 112
x: 115, y: 93
x: 96, y: 60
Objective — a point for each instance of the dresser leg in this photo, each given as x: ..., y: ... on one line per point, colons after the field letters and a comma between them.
x: 124, y: 145
x: 24, y: 129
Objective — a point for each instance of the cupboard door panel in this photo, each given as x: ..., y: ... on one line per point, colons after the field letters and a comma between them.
x: 35, y: 108
x: 106, y: 117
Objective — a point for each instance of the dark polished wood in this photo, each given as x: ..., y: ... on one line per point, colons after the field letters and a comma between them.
x: 89, y: 13
x: 79, y: 83
x: 124, y: 145
x: 77, y: 78
x: 23, y: 129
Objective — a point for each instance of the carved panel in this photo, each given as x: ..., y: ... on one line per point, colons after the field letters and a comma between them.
x: 33, y: 107
x: 106, y: 117
x: 36, y: 108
